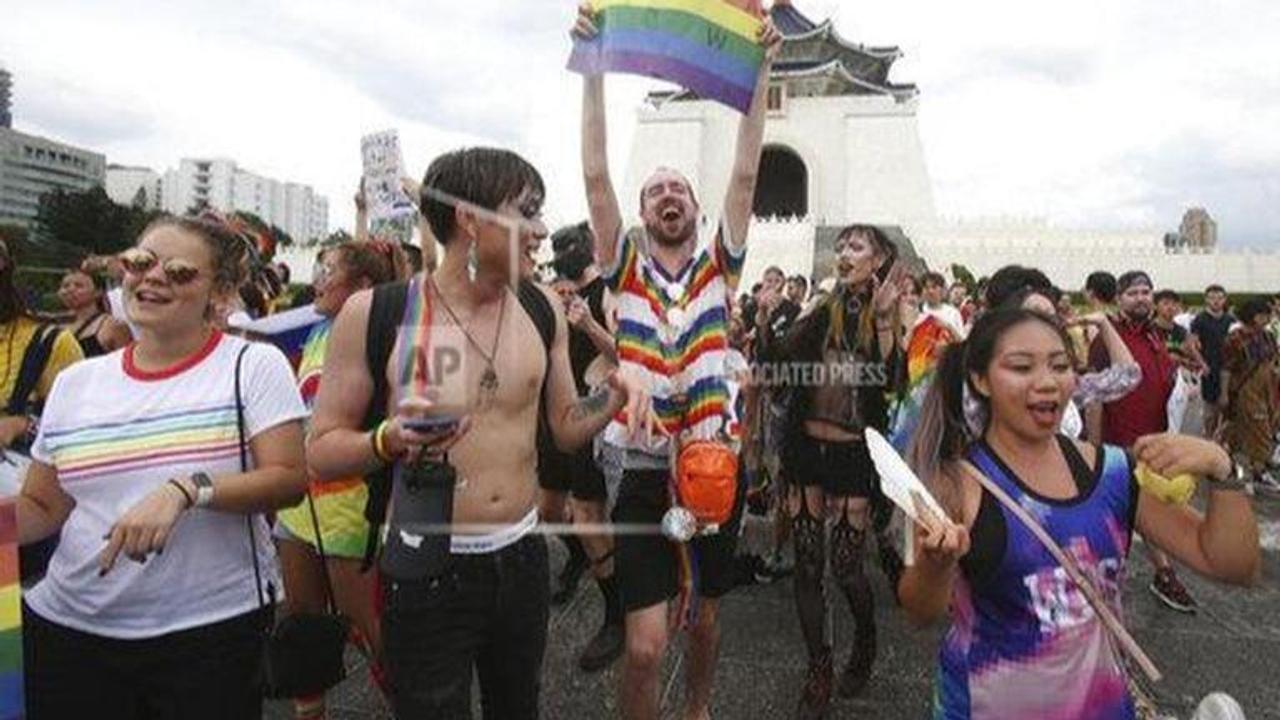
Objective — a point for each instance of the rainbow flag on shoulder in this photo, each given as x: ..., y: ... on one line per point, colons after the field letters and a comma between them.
x: 708, y: 46
x: 924, y: 350
x: 11, y: 697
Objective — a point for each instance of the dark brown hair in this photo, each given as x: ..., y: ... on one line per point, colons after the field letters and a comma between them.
x: 942, y: 435
x: 12, y: 305
x: 485, y: 177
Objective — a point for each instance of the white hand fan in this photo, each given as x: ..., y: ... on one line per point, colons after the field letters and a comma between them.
x: 897, y: 480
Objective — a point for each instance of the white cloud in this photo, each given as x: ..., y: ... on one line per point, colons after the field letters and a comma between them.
x: 1091, y: 113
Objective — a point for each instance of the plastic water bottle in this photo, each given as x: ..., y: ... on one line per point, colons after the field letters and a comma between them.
x: 1218, y: 706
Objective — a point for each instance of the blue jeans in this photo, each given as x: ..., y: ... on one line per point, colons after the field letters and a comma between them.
x: 485, y: 612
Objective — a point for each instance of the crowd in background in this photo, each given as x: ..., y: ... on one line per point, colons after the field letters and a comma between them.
x: 166, y: 492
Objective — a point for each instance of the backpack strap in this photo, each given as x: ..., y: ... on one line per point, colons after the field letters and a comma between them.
x: 385, y: 313
x: 387, y: 310
x: 539, y: 310
x: 33, y: 363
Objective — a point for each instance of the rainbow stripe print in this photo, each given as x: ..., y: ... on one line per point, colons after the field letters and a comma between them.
x: 707, y: 46
x: 197, y: 435
x: 11, y: 698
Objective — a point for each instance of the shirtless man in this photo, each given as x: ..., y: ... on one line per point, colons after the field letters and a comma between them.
x: 693, y: 290
x: 486, y: 610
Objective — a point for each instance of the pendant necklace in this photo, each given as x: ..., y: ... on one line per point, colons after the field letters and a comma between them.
x: 488, y: 380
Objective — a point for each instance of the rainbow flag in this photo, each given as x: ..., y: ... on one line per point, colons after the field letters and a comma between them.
x: 924, y: 349
x: 287, y: 330
x: 707, y: 46
x: 11, y: 698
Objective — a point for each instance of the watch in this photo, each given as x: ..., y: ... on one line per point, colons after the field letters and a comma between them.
x: 204, y: 488
x: 1234, y: 481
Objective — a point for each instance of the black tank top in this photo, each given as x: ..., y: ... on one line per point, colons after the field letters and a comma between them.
x: 89, y: 344
x: 581, y: 350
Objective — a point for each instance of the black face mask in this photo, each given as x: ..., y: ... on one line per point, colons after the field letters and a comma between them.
x: 571, y: 263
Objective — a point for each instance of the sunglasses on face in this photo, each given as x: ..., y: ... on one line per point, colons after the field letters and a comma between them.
x: 139, y: 261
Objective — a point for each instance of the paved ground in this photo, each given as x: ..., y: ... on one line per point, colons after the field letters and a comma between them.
x: 1232, y: 645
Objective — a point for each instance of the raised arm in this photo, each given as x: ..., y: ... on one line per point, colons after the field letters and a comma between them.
x: 602, y: 201
x: 1221, y: 543
x: 362, y: 214
x: 746, y: 164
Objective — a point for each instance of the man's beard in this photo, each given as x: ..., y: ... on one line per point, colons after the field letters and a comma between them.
x: 682, y: 236
x: 1139, y: 314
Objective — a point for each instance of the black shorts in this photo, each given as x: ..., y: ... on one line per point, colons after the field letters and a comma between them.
x: 207, y: 672
x: 646, y: 564
x: 575, y: 473
x: 841, y: 469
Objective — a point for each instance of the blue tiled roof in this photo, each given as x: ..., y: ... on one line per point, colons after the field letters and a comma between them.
x: 789, y: 20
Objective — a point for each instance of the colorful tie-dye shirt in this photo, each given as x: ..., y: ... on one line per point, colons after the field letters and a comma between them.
x: 1025, y: 642
x: 673, y: 330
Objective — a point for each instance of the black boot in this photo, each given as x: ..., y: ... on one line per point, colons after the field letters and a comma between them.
x: 815, y: 698
x: 609, y: 641
x: 857, y: 673
x: 571, y: 575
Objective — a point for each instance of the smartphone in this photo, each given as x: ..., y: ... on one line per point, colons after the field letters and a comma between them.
x: 882, y: 272
x: 441, y: 425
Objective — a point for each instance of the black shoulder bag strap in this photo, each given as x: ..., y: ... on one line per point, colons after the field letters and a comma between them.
x: 539, y: 310
x: 33, y: 362
x: 330, y: 603
x: 385, y: 313
x: 244, y: 467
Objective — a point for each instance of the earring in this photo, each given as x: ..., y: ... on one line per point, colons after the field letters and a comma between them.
x: 473, y: 262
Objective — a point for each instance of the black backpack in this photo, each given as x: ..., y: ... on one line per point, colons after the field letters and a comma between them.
x: 385, y: 314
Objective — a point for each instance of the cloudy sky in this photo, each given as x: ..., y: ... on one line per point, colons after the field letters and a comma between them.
x: 1090, y: 113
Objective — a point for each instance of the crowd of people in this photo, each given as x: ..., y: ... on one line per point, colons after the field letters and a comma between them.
x: 183, y: 479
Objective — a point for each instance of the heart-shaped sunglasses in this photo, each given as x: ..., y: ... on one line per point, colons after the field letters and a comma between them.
x: 139, y: 261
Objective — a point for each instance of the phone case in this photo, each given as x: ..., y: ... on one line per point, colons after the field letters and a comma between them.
x: 418, y: 537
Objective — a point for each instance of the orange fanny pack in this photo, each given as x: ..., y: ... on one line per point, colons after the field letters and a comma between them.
x: 707, y: 480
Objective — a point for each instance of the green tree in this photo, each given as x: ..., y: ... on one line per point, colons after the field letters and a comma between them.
x: 88, y: 220
x: 962, y: 275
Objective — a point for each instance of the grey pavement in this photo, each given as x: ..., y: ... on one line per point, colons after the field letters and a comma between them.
x: 1232, y: 644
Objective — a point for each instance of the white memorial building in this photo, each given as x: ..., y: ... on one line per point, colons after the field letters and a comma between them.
x: 842, y: 146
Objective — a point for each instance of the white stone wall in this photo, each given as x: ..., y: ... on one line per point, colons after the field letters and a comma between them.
x: 786, y: 243
x: 863, y: 154
x: 1068, y: 256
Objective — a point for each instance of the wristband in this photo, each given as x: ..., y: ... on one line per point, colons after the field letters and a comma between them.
x: 1234, y: 481
x: 379, y: 442
x: 204, y: 488
x: 191, y: 501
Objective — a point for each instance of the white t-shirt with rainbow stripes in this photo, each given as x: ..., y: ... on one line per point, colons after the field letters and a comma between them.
x: 114, y: 433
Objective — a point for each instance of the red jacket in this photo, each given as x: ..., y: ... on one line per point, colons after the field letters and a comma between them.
x: 1144, y: 410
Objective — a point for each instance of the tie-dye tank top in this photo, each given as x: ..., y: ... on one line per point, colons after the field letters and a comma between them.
x: 1025, y: 643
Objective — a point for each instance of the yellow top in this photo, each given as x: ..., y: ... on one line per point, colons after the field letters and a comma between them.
x: 15, y: 336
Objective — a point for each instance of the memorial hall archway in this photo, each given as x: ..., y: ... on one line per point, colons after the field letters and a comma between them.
x: 782, y: 186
